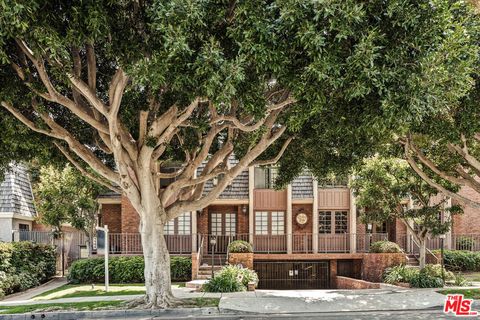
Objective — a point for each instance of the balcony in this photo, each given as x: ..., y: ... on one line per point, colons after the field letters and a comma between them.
x: 130, y: 243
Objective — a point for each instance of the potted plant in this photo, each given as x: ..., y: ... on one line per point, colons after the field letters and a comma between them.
x: 240, y: 253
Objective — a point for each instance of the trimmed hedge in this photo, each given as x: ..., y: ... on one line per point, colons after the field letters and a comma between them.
x: 124, y: 270
x: 24, y: 265
x: 384, y: 247
x: 240, y: 246
x: 456, y: 260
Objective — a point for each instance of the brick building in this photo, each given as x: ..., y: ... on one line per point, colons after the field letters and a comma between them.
x: 305, y: 232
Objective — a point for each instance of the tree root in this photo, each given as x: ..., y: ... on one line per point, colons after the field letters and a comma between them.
x: 168, y: 302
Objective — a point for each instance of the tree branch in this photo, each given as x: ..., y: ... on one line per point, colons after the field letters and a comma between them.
x: 84, y: 171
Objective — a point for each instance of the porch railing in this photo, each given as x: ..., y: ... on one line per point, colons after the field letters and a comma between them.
x: 130, y: 243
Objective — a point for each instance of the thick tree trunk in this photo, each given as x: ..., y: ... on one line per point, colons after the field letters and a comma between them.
x: 423, y: 251
x: 157, y: 261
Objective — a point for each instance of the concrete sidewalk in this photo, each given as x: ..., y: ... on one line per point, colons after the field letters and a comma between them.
x: 30, y: 293
x: 292, y: 301
x: 306, y: 301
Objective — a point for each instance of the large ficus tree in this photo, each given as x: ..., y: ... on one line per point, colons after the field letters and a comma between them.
x: 388, y: 189
x: 127, y: 87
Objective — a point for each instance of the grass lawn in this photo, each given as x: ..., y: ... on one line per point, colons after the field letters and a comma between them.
x: 61, y: 306
x: 82, y: 290
x: 467, y: 293
x: 99, y: 305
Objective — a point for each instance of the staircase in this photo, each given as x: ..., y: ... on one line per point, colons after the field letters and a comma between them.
x: 205, y: 269
x: 412, y: 260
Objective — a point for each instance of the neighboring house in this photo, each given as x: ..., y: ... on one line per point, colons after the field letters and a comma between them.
x: 302, y: 236
x: 17, y: 210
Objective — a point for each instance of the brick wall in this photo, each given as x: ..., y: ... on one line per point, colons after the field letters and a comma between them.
x: 375, y: 263
x: 350, y: 283
x: 242, y: 220
x: 462, y: 224
x: 112, y: 217
x: 130, y: 218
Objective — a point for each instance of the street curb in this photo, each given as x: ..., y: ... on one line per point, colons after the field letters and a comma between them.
x: 111, y: 314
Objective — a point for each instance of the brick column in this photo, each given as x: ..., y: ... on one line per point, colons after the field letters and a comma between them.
x: 353, y: 223
x: 251, y: 217
x: 315, y: 217
x: 289, y: 219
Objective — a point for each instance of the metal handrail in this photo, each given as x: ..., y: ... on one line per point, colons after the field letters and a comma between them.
x: 428, y: 251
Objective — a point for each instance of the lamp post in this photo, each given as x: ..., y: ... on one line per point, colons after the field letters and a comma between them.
x: 442, y: 239
x: 213, y: 242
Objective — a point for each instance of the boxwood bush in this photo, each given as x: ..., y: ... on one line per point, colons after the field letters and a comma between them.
x: 231, y: 279
x: 240, y: 246
x: 124, y: 270
x: 24, y: 265
x: 456, y: 260
x: 384, y: 246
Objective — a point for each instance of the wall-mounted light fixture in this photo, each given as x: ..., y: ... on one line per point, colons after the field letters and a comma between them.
x: 244, y: 208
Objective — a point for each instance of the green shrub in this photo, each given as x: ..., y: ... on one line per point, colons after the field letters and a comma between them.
x: 456, y: 260
x: 435, y: 270
x: 428, y: 277
x: 460, y: 280
x: 124, y: 270
x: 424, y: 280
x: 399, y: 273
x: 465, y: 243
x: 384, y: 246
x: 240, y: 246
x: 24, y: 265
x: 181, y: 268
x: 231, y: 279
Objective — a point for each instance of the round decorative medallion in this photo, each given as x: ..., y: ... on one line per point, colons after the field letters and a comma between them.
x: 301, y: 218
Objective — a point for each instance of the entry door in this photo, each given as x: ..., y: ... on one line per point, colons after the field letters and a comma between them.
x: 223, y: 227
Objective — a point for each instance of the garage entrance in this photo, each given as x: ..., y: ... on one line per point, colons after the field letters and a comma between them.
x: 293, y: 274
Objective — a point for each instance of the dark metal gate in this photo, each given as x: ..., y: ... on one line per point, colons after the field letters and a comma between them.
x: 293, y: 274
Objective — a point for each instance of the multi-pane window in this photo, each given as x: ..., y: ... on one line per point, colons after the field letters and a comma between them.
x: 216, y: 223
x: 184, y: 223
x: 265, y: 177
x: 341, y: 221
x: 169, y: 227
x: 180, y: 225
x: 324, y: 222
x: 223, y: 224
x: 261, y: 222
x: 332, y: 222
x: 269, y: 223
x: 230, y: 223
x: 278, y: 222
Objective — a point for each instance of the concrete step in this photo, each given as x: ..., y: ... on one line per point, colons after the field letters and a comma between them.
x: 204, y: 277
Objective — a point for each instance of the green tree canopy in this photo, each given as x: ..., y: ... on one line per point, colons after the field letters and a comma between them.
x: 66, y: 196
x: 126, y: 87
x: 387, y: 188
